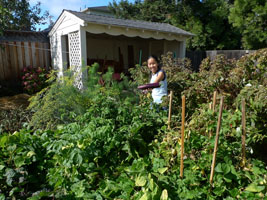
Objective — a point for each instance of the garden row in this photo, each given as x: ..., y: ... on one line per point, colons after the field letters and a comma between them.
x: 107, y: 143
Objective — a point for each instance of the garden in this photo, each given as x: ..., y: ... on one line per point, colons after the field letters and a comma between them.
x: 108, y: 142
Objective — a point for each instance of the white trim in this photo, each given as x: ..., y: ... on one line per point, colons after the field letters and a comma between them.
x: 119, y: 30
x: 61, y: 18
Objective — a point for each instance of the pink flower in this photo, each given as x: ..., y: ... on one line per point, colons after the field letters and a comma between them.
x: 34, y: 76
x: 25, y: 83
x: 35, y: 85
x: 24, y: 69
x: 28, y: 87
x: 39, y: 70
x: 27, y: 74
x: 23, y: 77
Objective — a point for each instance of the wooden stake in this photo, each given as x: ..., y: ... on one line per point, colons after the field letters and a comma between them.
x: 214, y: 100
x: 182, y: 138
x: 216, y: 141
x: 213, y: 107
x: 170, y: 110
x: 243, y: 131
x: 210, y: 106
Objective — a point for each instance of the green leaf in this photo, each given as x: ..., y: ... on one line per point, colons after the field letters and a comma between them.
x: 140, y: 181
x: 253, y: 187
x: 19, y: 161
x: 2, y: 197
x: 78, y: 188
x: 218, y: 168
x: 3, y: 140
x: 162, y: 170
x: 30, y: 154
x: 144, y: 197
x: 164, y: 195
x: 2, y: 167
x: 233, y: 192
x: 226, y: 168
x: 219, y: 190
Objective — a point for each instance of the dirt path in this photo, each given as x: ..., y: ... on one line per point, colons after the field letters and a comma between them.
x: 13, y: 102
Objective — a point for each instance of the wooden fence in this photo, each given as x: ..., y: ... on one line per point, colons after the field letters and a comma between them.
x: 16, y: 55
x: 196, y: 57
x: 230, y: 54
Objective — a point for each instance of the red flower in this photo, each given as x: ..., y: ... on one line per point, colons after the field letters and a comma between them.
x: 39, y: 70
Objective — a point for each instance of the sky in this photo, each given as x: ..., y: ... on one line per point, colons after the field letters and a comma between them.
x: 55, y: 7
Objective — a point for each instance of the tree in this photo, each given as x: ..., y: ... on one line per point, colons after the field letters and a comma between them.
x: 207, y: 19
x: 250, y: 17
x: 148, y: 10
x: 3, y: 14
x: 19, y: 15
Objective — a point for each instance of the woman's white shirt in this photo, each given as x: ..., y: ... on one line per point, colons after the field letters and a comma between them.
x: 158, y: 93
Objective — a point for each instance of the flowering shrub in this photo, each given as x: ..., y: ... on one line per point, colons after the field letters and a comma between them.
x: 34, y: 79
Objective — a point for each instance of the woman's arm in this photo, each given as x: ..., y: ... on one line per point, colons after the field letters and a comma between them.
x: 160, y: 77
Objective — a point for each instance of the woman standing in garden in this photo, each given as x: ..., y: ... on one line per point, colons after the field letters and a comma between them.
x: 158, y: 76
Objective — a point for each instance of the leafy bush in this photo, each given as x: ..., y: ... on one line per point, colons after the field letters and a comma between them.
x: 62, y: 102
x: 34, y: 79
x: 13, y: 119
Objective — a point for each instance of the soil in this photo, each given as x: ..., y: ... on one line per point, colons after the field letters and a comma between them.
x: 14, y: 102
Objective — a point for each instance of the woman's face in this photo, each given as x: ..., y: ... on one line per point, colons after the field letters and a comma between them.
x: 152, y: 65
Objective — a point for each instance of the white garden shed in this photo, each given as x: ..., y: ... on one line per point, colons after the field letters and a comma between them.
x: 95, y: 35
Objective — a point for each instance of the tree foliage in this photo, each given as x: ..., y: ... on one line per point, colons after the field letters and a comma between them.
x: 144, y: 10
x: 208, y: 19
x: 250, y: 17
x: 19, y: 15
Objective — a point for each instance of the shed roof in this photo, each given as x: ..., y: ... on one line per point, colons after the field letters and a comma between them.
x: 32, y: 36
x: 137, y: 24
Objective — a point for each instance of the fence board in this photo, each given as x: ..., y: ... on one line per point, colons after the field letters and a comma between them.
x: 19, y: 49
x: 43, y: 54
x: 12, y: 61
x: 2, y: 73
x: 9, y: 64
x: 30, y: 53
x: 36, y: 55
x: 16, y: 60
x: 23, y: 55
x: 47, y: 55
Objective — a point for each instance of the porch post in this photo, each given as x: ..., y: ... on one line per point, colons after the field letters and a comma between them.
x: 83, y: 55
x: 182, y: 49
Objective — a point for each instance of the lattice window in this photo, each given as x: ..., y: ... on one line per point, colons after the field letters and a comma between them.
x: 75, y: 58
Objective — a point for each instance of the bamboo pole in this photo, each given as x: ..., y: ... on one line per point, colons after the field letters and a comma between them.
x: 213, y: 108
x: 210, y: 106
x: 214, y: 100
x: 182, y: 138
x: 243, y: 131
x: 216, y: 141
x: 170, y: 110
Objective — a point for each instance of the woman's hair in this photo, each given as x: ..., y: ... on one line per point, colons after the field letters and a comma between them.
x: 156, y: 59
